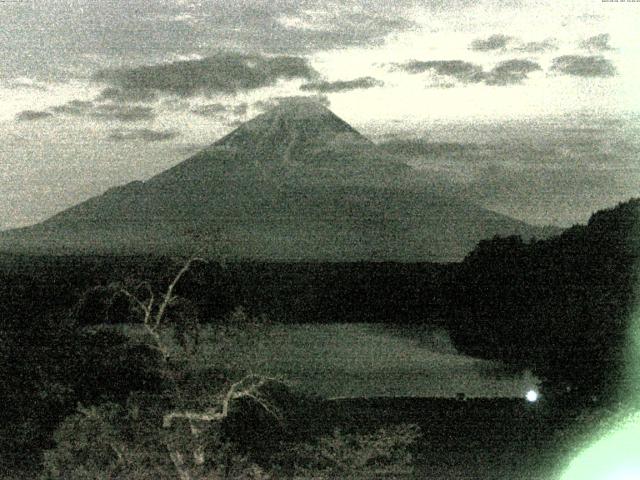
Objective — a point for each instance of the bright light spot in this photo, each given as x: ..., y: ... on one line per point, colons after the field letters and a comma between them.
x: 532, y: 395
x: 614, y: 457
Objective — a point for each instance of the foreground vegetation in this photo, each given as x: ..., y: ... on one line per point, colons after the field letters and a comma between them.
x: 243, y: 397
x: 566, y: 307
x: 174, y: 410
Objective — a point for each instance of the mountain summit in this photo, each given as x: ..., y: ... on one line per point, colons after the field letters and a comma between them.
x: 291, y: 129
x: 294, y: 183
x: 295, y: 132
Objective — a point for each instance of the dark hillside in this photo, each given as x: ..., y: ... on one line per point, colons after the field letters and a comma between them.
x: 563, y: 306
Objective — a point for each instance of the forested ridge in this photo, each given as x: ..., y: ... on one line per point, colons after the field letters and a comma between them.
x: 563, y: 306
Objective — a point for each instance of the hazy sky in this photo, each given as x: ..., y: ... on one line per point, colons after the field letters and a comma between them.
x: 540, y: 97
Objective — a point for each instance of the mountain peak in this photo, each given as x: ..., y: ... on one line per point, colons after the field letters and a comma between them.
x: 301, y: 108
x: 294, y: 183
x: 295, y: 130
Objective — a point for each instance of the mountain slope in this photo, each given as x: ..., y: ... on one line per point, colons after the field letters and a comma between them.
x: 295, y: 183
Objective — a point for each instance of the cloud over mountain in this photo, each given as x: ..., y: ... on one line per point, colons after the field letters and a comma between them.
x: 584, y: 66
x: 342, y: 85
x: 219, y: 73
x: 293, y: 100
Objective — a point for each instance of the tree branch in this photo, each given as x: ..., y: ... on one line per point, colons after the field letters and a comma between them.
x: 234, y: 393
x: 168, y: 296
x: 146, y: 309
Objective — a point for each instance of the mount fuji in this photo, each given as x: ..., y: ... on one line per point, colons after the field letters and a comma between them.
x: 296, y: 183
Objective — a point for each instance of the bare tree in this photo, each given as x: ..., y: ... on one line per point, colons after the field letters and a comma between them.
x: 155, y: 312
x: 154, y: 309
x: 248, y: 388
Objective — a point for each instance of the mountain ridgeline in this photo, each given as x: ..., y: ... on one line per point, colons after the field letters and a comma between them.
x: 296, y: 183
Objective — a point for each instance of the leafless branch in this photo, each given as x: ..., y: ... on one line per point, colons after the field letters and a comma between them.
x: 148, y: 304
x: 247, y: 387
x: 168, y: 296
x: 241, y: 389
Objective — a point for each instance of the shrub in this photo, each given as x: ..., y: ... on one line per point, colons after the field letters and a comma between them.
x: 109, y: 366
x: 386, y: 453
x: 105, y: 442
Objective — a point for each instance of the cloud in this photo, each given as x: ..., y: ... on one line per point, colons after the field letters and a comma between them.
x: 74, y: 107
x: 511, y: 72
x: 26, y: 83
x: 494, y: 42
x: 210, y: 110
x: 218, y: 109
x: 143, y: 134
x: 31, y: 115
x: 130, y: 95
x: 460, y: 70
x: 597, y: 43
x: 273, y: 102
x: 542, y: 173
x: 504, y: 73
x: 538, y: 47
x: 220, y: 73
x: 584, y: 66
x: 342, y: 85
x: 334, y: 25
x: 126, y: 113
x: 82, y: 40
x: 109, y: 111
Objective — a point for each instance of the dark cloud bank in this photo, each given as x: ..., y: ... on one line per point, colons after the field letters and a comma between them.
x: 136, y: 29
x: 510, y: 72
x: 293, y: 100
x: 220, y: 73
x: 584, y: 66
x: 460, y: 70
x: 504, y: 73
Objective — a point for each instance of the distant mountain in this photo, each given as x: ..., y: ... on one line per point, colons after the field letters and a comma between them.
x: 295, y: 183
